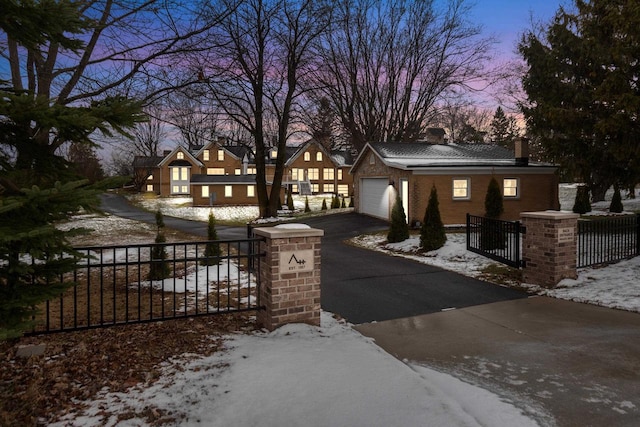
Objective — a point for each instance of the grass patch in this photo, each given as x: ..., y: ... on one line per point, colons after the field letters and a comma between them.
x: 502, y: 275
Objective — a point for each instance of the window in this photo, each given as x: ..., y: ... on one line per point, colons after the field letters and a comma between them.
x: 150, y: 187
x: 318, y: 156
x: 274, y: 154
x: 205, y: 155
x: 251, y: 171
x: 372, y: 159
x: 328, y: 174
x: 220, y: 155
x: 238, y: 171
x: 179, y: 174
x: 294, y: 188
x: 315, y: 188
x: 339, y: 174
x: 205, y: 191
x: 314, y: 173
x: 215, y: 171
x: 328, y: 188
x: 461, y: 188
x: 343, y: 189
x: 179, y: 189
x: 228, y: 191
x: 175, y: 189
x: 510, y: 187
x: 150, y: 177
x: 251, y: 191
x: 180, y: 155
x: 307, y: 156
x: 294, y: 174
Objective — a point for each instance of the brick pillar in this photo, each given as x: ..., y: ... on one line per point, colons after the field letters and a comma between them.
x: 289, y: 275
x: 549, y: 247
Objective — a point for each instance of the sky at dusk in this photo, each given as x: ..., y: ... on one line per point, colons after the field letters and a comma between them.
x: 507, y: 19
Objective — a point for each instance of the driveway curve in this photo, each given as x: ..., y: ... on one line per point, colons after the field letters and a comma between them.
x: 360, y: 285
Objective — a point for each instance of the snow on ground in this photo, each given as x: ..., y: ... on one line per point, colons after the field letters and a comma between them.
x: 304, y: 375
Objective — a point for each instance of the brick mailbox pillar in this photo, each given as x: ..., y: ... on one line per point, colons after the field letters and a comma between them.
x: 289, y: 275
x: 549, y: 247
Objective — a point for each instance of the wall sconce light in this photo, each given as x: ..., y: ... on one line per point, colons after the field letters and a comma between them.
x: 392, y: 183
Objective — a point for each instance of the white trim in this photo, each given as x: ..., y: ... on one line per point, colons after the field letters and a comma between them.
x: 484, y: 170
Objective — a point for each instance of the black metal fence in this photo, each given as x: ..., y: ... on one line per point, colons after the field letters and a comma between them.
x: 495, y: 239
x: 608, y: 239
x: 152, y: 282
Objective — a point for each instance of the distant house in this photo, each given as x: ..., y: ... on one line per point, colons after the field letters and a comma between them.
x: 222, y: 174
x: 461, y: 175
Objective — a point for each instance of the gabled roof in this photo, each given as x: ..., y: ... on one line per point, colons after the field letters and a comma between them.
x: 418, y: 155
x: 186, y: 153
x: 234, y: 150
x: 338, y: 157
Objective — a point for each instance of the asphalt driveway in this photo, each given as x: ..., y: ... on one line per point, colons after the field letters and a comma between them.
x: 357, y: 284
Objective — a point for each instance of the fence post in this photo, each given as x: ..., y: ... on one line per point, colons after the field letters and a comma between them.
x: 549, y: 247
x: 289, y: 275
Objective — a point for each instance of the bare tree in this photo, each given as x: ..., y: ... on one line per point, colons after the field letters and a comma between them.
x: 148, y: 135
x: 265, y: 48
x: 465, y: 122
x: 191, y: 112
x: 121, y: 46
x: 385, y: 64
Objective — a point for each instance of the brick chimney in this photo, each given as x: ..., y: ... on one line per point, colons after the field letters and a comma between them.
x: 522, y: 151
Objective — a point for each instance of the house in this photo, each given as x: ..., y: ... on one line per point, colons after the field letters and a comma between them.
x: 461, y: 174
x: 222, y: 174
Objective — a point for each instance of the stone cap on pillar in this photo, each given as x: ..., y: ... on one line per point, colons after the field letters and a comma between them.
x: 558, y: 215
x: 282, y: 231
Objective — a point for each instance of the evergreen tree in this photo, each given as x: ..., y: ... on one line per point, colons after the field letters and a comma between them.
x: 38, y: 187
x: 335, y: 202
x: 582, y: 204
x: 432, y: 232
x: 399, y: 230
x: 159, y: 267
x: 351, y: 203
x: 324, y: 205
x: 492, y: 236
x: 212, y: 250
x: 344, y: 203
x: 493, y: 203
x: 585, y: 115
x: 502, y: 130
x: 616, y: 202
x: 307, y: 208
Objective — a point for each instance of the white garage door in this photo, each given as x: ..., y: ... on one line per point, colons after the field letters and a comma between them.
x: 374, y: 197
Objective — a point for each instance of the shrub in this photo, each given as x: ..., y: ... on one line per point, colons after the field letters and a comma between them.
x: 616, y: 202
x: 335, y: 202
x: 399, y: 230
x: 344, y: 203
x: 289, y: 201
x: 492, y: 235
x: 351, y: 203
x: 212, y: 249
x: 582, y: 203
x: 493, y: 205
x: 432, y: 233
x: 324, y: 205
x: 307, y: 208
x: 159, y: 268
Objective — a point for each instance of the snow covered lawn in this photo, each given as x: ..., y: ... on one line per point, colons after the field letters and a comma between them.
x: 303, y: 375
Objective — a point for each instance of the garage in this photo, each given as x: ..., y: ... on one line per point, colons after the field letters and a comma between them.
x: 374, y: 197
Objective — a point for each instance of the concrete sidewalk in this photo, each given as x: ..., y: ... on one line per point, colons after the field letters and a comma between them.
x: 578, y: 362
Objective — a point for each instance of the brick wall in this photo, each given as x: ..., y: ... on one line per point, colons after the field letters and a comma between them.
x: 289, y: 293
x: 549, y: 247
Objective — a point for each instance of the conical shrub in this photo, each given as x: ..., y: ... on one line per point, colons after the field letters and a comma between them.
x: 399, y: 230
x: 432, y: 232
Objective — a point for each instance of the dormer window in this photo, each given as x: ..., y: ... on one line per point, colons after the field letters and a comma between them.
x: 180, y: 155
x: 318, y: 156
x: 274, y: 154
